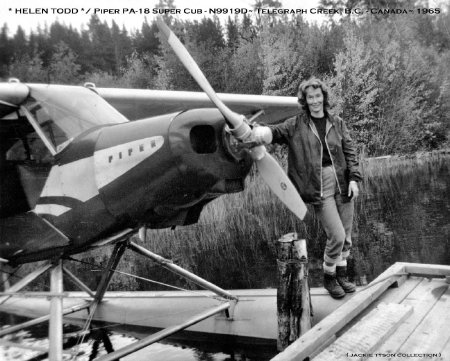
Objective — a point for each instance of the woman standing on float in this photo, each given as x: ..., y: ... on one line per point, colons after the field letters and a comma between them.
x: 323, y: 165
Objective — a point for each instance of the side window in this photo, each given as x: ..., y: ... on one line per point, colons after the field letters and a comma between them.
x: 25, y: 163
x: 29, y: 148
x: 32, y: 140
x: 51, y: 130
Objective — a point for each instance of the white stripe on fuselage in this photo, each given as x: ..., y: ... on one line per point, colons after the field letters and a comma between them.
x: 79, y: 180
x: 74, y: 180
x: 53, y: 209
x: 113, y: 162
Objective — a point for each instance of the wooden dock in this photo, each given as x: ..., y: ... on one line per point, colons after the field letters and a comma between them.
x: 403, y: 314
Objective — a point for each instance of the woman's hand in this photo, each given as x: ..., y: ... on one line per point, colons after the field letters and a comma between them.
x: 262, y: 134
x: 353, y: 190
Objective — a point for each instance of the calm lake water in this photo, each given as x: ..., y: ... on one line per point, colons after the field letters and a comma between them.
x: 403, y: 214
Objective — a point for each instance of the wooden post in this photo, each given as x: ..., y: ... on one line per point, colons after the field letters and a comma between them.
x: 293, y: 298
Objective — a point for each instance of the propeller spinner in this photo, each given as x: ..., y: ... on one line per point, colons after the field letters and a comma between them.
x: 272, y: 173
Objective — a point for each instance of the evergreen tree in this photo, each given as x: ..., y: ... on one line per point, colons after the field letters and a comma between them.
x: 246, y: 72
x: 63, y: 68
x: 172, y: 75
x: 42, y: 45
x: 247, y: 31
x: 355, y: 88
x: 146, y: 40
x: 259, y: 4
x: 122, y: 46
x: 101, y: 50
x: 208, y: 32
x: 19, y: 43
x: 138, y: 72
x: 58, y: 33
x: 5, y: 50
x: 28, y: 69
x: 232, y: 33
x: 390, y: 78
x: 291, y: 53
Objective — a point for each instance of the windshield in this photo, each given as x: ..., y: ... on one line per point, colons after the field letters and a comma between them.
x: 63, y: 112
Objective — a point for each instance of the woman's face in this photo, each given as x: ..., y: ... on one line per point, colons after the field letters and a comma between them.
x: 314, y: 99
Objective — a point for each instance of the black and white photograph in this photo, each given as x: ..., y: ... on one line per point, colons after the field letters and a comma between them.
x: 241, y: 180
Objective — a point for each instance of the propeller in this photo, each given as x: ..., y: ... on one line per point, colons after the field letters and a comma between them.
x: 272, y: 173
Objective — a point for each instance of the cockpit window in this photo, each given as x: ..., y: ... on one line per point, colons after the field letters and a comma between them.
x: 65, y: 112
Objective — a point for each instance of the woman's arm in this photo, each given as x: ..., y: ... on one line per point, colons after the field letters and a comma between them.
x: 282, y: 132
x: 350, y: 155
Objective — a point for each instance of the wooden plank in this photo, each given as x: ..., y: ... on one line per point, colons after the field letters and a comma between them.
x: 323, y: 346
x: 392, y: 295
x: 363, y: 338
x: 444, y: 354
x: 398, y: 295
x: 422, y: 299
x: 427, y: 269
x: 306, y: 318
x: 431, y: 335
x: 330, y: 325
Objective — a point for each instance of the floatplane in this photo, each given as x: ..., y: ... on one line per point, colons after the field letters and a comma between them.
x: 85, y: 167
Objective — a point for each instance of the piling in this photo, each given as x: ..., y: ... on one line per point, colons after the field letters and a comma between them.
x: 293, y: 296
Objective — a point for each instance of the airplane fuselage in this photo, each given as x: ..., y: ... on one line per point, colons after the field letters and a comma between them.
x: 158, y: 172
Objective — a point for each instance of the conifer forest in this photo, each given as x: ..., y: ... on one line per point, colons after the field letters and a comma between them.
x: 389, y: 74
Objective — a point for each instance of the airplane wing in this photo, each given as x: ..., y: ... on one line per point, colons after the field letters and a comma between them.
x: 140, y: 103
x: 11, y: 94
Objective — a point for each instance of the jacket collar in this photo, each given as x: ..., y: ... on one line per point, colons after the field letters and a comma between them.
x: 307, y: 119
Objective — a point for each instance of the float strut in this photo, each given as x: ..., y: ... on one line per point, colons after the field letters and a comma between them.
x: 37, y: 321
x: 182, y: 272
x: 56, y: 313
x: 25, y: 281
x: 112, y: 265
x: 163, y: 334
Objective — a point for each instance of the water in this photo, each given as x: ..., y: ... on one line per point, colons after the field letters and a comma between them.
x: 403, y: 214
x: 169, y: 350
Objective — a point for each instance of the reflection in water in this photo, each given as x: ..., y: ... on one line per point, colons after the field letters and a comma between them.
x: 403, y: 214
x: 35, y: 343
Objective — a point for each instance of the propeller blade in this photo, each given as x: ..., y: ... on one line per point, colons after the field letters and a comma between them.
x: 269, y: 168
x: 278, y: 181
x: 235, y: 119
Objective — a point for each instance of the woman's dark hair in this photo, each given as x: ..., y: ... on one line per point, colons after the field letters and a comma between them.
x: 315, y: 84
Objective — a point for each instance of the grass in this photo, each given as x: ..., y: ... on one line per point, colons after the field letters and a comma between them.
x: 233, y: 244
x: 237, y: 233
